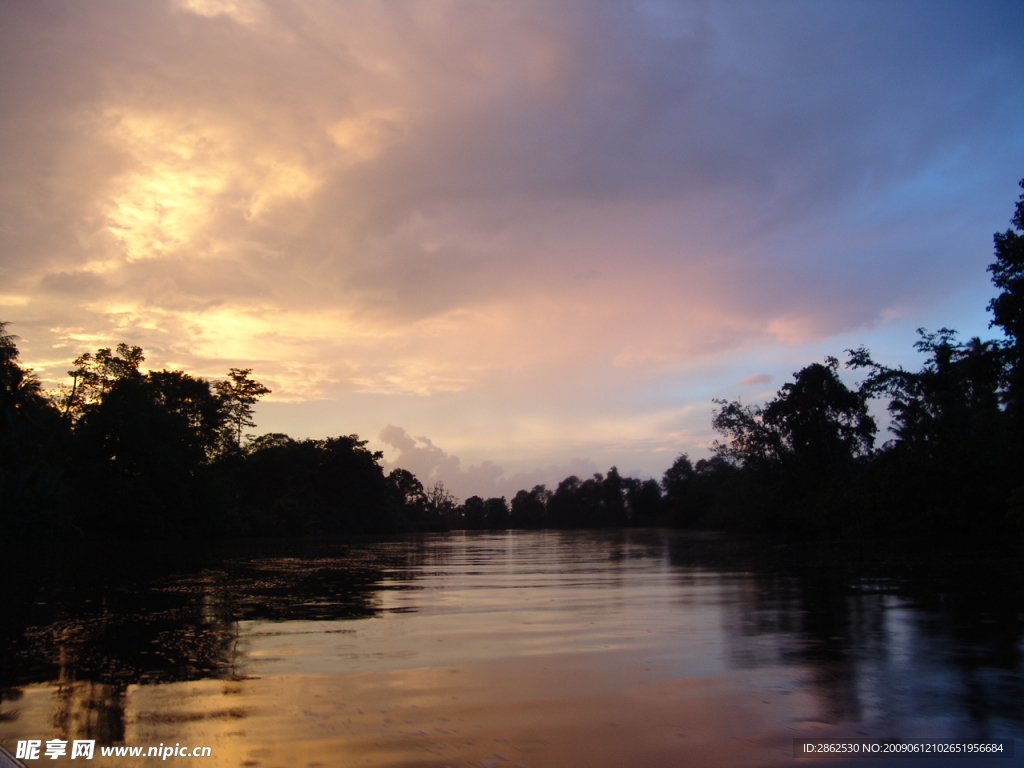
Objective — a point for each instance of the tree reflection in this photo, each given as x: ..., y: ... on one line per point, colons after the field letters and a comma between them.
x: 878, y: 636
x: 90, y: 710
x: 95, y: 627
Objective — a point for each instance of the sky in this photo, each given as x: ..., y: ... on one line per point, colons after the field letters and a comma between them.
x: 503, y: 242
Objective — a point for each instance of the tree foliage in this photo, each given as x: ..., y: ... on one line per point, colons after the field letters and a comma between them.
x: 95, y: 374
x: 32, y: 452
x: 1008, y: 276
x: 1008, y: 313
x: 238, y: 395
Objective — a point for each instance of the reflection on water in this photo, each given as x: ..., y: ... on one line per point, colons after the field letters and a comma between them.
x: 530, y: 648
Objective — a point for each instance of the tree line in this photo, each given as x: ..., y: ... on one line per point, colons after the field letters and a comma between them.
x: 122, y: 452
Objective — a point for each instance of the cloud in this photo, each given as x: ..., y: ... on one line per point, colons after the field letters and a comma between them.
x: 431, y: 464
x: 757, y: 378
x: 576, y: 209
x: 77, y: 283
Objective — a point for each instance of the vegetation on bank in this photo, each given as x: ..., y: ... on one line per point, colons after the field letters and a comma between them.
x: 120, y: 452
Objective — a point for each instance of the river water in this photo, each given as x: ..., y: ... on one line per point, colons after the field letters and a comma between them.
x: 547, y: 649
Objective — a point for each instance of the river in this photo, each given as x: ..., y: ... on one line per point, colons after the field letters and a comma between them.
x: 535, y: 649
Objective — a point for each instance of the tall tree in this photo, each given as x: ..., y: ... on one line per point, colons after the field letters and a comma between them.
x: 956, y: 392
x: 821, y: 422
x: 325, y: 486
x: 141, y: 451
x: 678, y: 483
x: 19, y: 387
x: 529, y: 508
x: 950, y: 469
x: 815, y: 421
x: 95, y: 374
x: 1008, y: 307
x: 644, y: 502
x: 440, y: 507
x: 795, y: 455
x: 749, y: 442
x: 239, y: 394
x: 32, y: 437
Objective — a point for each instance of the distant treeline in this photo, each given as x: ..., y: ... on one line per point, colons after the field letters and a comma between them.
x: 119, y: 452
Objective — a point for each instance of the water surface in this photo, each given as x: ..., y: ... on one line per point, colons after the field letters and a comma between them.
x: 536, y: 649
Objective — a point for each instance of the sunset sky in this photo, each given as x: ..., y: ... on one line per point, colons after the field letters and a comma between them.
x: 504, y: 241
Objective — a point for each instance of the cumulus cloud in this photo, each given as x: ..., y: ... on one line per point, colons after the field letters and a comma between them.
x: 431, y: 464
x: 433, y: 198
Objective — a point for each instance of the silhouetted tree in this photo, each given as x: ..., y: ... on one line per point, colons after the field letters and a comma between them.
x: 797, y: 453
x: 94, y: 375
x: 645, y: 507
x: 529, y: 508
x: 160, y: 454
x: 1008, y: 307
x: 956, y: 390
x: 238, y: 394
x: 32, y: 450
x: 472, y: 515
x: 821, y: 423
x: 20, y: 390
x: 409, y: 498
x: 496, y: 513
x: 476, y: 513
x: 951, y: 458
x: 142, y: 447
x: 612, y: 510
x: 749, y: 441
x: 815, y: 422
x: 570, y: 503
x: 325, y: 486
x: 1008, y: 313
x: 440, y: 507
x: 678, y: 485
x: 597, y: 502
